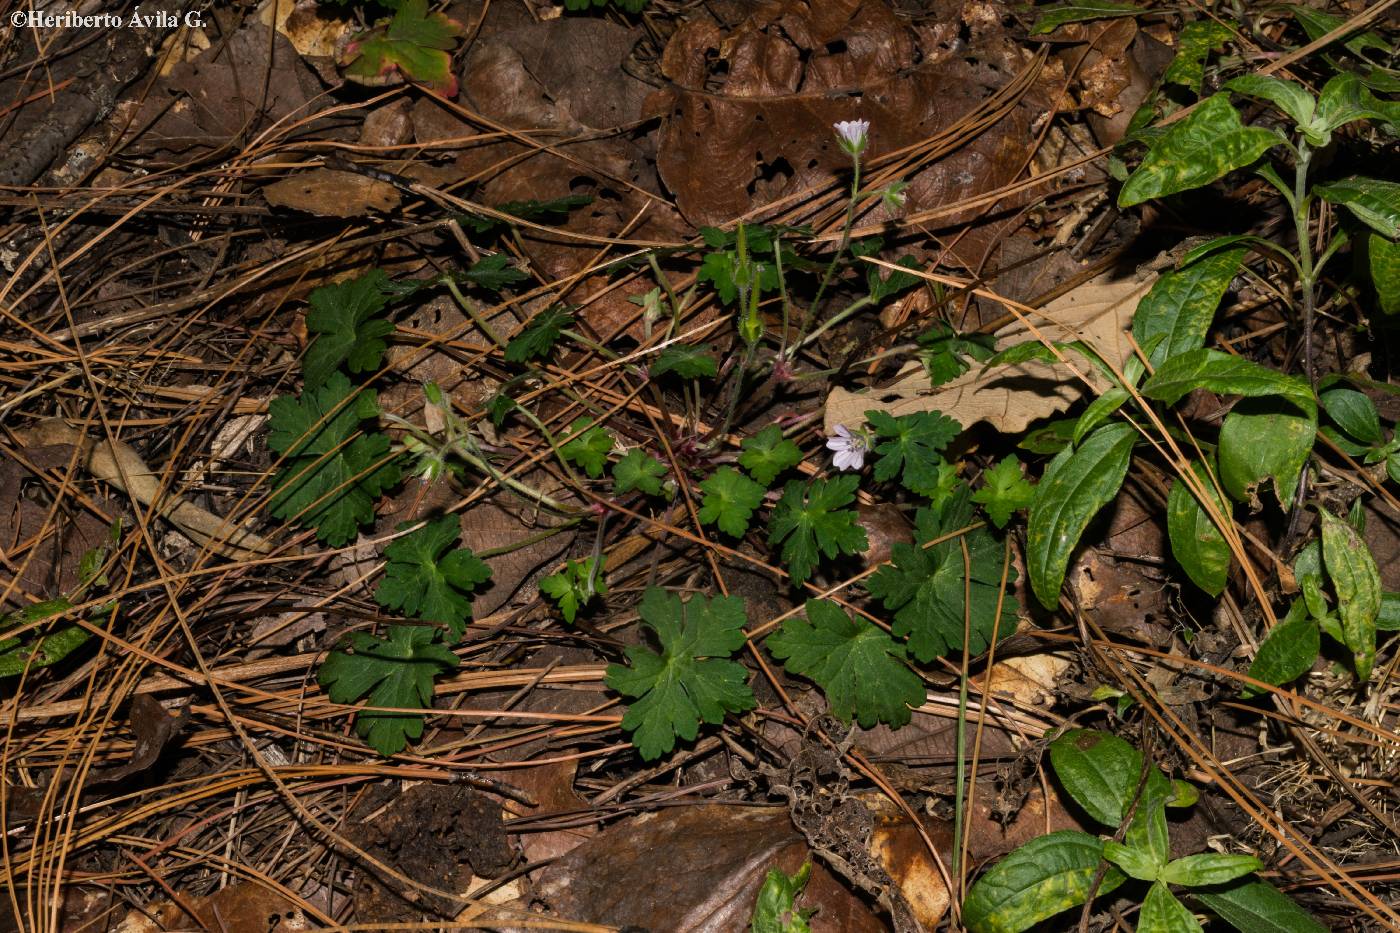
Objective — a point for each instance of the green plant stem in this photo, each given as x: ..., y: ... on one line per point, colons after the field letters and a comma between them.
x: 1307, y: 273
x: 472, y: 312
x: 532, y: 539
x: 812, y: 308
x: 960, y: 774
x: 832, y: 321
x: 739, y: 378
x: 552, y: 442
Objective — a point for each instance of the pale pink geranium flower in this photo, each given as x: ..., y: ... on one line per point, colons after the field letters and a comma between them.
x: 851, y: 134
x: 848, y: 448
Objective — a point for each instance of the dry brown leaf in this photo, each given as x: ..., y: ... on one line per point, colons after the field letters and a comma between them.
x: 1029, y: 680
x: 246, y: 907
x: 328, y: 193
x: 1010, y: 397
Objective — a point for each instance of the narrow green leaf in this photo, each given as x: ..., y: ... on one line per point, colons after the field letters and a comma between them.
x: 1209, y: 868
x: 1197, y: 544
x: 1135, y: 863
x: 1254, y: 906
x: 1286, y: 654
x: 1375, y: 203
x: 1383, y: 257
x: 1053, y: 17
x: 1226, y: 375
x: 1163, y: 913
x: 1260, y: 439
x: 1208, y: 144
x: 1045, y: 876
x: 1179, y: 308
x: 1077, y: 483
x: 1357, y: 581
x: 1289, y: 96
x: 1318, y: 24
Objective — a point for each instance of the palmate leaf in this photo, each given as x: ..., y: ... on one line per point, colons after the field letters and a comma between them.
x: 691, y: 680
x: 926, y: 587
x: 414, y: 43
x: 730, y: 501
x: 812, y: 520
x: 688, y: 362
x: 539, y: 336
x: 343, y: 318
x: 1207, y: 144
x: 911, y: 446
x: 396, y: 671
x: 331, y: 474
x: 768, y: 453
x: 1004, y: 491
x: 859, y: 667
x: 638, y: 470
x: 587, y: 445
x: 425, y: 582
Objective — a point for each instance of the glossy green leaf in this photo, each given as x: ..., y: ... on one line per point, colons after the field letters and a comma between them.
x: 1163, y: 913
x: 1354, y: 413
x: 1053, y: 17
x: 1076, y: 484
x: 1194, y: 44
x: 1178, y: 310
x: 1197, y: 544
x: 1375, y: 203
x: 1136, y: 863
x: 1098, y: 411
x: 1344, y: 100
x: 1262, y: 439
x: 1286, y: 654
x: 1102, y: 772
x: 1255, y: 906
x: 1045, y: 876
x: 1357, y: 582
x: 775, y: 910
x: 1209, y: 868
x: 1224, y: 374
x: 1207, y: 144
x: 1289, y: 96
x: 1383, y: 258
x: 1389, y: 618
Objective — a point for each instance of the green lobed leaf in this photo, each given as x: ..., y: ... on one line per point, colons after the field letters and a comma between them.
x: 912, y: 446
x: 1052, y: 18
x: 697, y: 362
x: 774, y: 911
x: 928, y: 588
x: 1354, y: 413
x: 1375, y: 203
x: 691, y: 680
x: 425, y: 580
x: 1076, y: 484
x: 1357, y: 583
x: 1004, y: 490
x: 730, y: 501
x: 1197, y: 544
x: 494, y: 273
x: 1383, y: 259
x: 587, y: 445
x: 942, y: 351
x: 1207, y: 144
x: 1224, y: 374
x: 540, y: 335
x: 1287, y: 652
x: 415, y: 42
x: 859, y: 667
x: 331, y: 473
x: 1289, y: 96
x: 767, y: 454
x: 1178, y: 310
x: 1209, y: 868
x: 1194, y: 44
x: 1047, y: 875
x: 1255, y: 906
x: 812, y: 519
x: 396, y: 671
x: 572, y: 587
x: 342, y: 317
x: 894, y: 282
x: 1260, y: 439
x: 638, y: 470
x: 1163, y: 913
